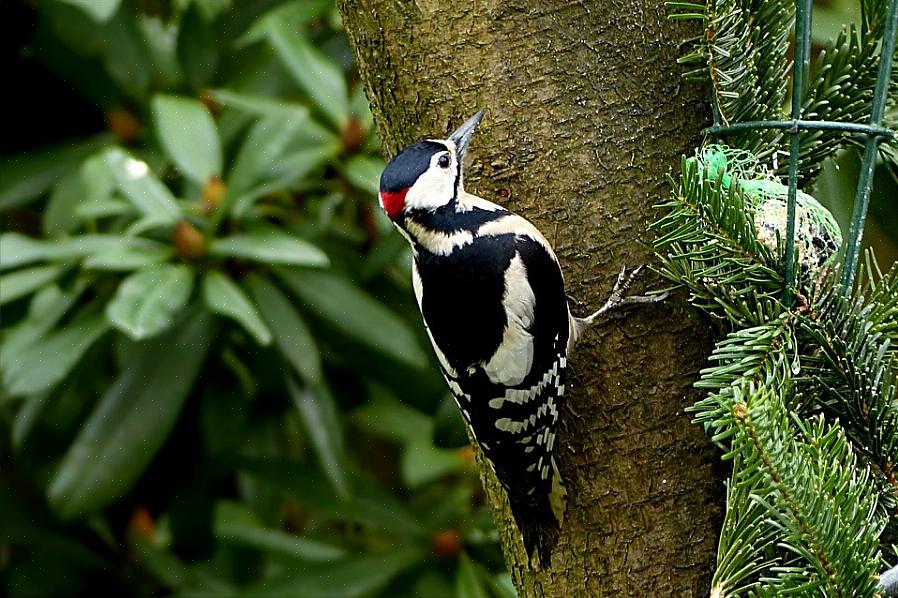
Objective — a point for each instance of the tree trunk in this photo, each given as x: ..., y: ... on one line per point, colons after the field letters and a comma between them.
x: 585, y: 116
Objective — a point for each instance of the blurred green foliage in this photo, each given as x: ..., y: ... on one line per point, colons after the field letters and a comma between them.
x: 214, y: 380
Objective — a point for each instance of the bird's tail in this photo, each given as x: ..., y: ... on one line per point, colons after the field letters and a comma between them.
x: 540, y: 519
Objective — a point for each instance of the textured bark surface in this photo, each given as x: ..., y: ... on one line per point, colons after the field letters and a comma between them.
x: 585, y: 115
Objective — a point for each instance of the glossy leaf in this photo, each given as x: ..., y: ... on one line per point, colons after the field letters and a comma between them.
x: 224, y: 297
x: 367, y: 503
x: 321, y: 422
x: 295, y: 14
x: 132, y: 420
x: 177, y: 575
x: 25, y: 177
x: 189, y: 136
x: 356, y: 314
x: 18, y: 250
x: 266, y: 141
x: 212, y: 9
x: 258, y: 105
x: 468, y: 581
x: 364, y: 173
x: 124, y: 259
x: 198, y: 52
x: 319, y: 77
x: 21, y: 283
x: 235, y: 525
x: 147, y: 301
x: 351, y: 578
x: 47, y: 307
x: 269, y: 246
x: 99, y: 10
x: 293, y: 338
x: 125, y: 55
x: 27, y: 415
x: 46, y: 362
x: 141, y: 186
x: 60, y: 212
x: 421, y: 462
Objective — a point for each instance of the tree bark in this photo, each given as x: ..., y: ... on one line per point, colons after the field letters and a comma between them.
x: 585, y: 116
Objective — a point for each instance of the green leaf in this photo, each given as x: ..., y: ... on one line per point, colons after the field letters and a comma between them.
x: 224, y: 297
x: 47, y: 307
x: 59, y: 213
x: 99, y: 10
x: 127, y: 258
x: 296, y: 165
x: 295, y: 14
x: 320, y: 417
x: 356, y: 314
x: 126, y: 56
x: 212, y: 9
x: 189, y: 136
x: 351, y: 578
x: 147, y: 301
x: 27, y: 415
x: 269, y: 246
x: 235, y: 525
x: 25, y: 177
x: 46, y: 362
x: 266, y: 141
x: 103, y: 207
x: 364, y: 173
x: 292, y: 336
x: 259, y: 105
x: 367, y: 503
x: 319, y: 77
x: 468, y: 582
x: 141, y: 186
x: 284, y: 173
x: 504, y: 586
x: 24, y: 282
x: 195, y: 581
x: 132, y: 420
x: 198, y: 48
x: 421, y: 462
x: 18, y: 250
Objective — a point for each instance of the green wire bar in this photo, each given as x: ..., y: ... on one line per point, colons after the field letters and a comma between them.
x: 874, y: 131
x: 805, y: 125
x: 800, y: 68
x: 862, y: 199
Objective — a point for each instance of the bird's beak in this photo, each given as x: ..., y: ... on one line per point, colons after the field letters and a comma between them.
x: 462, y: 135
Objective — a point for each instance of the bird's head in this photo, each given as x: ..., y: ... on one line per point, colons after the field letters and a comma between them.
x: 426, y: 175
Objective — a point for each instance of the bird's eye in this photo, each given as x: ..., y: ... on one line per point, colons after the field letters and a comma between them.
x: 443, y: 162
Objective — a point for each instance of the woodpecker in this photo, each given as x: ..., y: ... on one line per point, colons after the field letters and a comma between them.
x: 492, y: 296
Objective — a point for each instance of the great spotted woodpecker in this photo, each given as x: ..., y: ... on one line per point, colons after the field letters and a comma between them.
x: 492, y: 295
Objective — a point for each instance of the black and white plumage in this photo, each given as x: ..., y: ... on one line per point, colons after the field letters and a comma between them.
x: 492, y: 296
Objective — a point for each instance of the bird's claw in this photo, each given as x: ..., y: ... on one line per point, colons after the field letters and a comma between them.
x: 617, y: 300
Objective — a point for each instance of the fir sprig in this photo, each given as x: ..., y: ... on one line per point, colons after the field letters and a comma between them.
x: 816, y: 495
x: 706, y: 242
x: 855, y: 365
x: 744, y: 56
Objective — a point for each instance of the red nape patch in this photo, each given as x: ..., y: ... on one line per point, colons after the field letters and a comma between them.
x: 393, y: 202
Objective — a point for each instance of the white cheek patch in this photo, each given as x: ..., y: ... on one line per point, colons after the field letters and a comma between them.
x: 434, y: 188
x: 513, y: 359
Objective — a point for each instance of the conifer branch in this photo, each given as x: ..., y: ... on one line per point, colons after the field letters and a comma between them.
x: 818, y: 497
x: 706, y: 242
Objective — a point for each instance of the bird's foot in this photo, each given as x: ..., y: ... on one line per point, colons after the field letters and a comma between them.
x: 617, y: 299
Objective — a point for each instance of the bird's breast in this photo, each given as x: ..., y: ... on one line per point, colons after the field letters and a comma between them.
x: 461, y: 298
